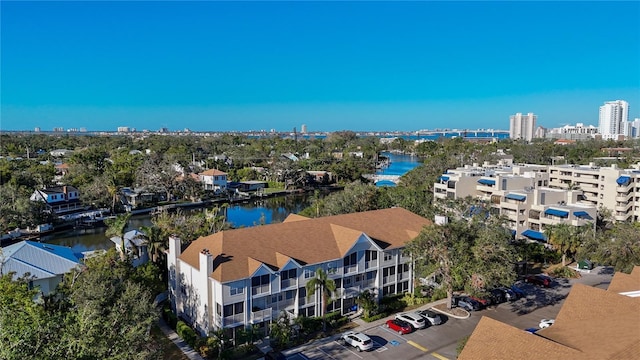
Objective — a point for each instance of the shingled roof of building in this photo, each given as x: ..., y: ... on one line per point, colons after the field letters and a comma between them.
x: 622, y: 282
x: 306, y: 241
x: 592, y: 324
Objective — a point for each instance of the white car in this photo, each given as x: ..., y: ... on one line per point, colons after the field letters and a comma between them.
x: 358, y: 340
x: 413, y: 318
x: 545, y: 323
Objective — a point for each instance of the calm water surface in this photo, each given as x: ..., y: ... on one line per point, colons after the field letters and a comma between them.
x: 267, y: 211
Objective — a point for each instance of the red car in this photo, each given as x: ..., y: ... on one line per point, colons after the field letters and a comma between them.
x: 402, y: 327
x: 483, y: 302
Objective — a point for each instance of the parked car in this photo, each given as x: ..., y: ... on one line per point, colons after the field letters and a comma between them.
x: 431, y: 317
x: 519, y: 292
x: 358, y: 340
x: 484, y: 302
x: 545, y: 323
x: 466, y: 303
x: 509, y: 294
x: 402, y: 327
x: 497, y: 296
x: 413, y: 318
x: 539, y: 279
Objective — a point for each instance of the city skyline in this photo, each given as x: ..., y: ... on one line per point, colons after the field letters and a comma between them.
x: 378, y: 66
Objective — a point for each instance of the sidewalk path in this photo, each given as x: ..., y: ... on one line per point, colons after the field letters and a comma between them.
x: 186, y: 349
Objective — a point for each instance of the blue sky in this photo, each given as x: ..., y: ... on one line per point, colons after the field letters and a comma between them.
x: 224, y: 66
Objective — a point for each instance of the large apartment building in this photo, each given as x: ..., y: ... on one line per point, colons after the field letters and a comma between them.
x: 614, y: 120
x: 535, y: 196
x: 522, y: 126
x: 238, y: 278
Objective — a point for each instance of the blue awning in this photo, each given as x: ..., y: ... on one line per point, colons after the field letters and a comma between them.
x: 535, y: 235
x: 444, y: 178
x: 555, y: 212
x: 516, y: 197
x: 623, y: 180
x: 487, y: 182
x: 582, y: 215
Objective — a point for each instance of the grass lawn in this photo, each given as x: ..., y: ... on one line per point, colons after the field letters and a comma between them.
x: 169, y: 350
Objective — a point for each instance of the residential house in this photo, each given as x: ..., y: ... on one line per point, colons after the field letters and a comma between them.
x: 59, y: 199
x: 135, y: 245
x: 592, y: 324
x: 44, y: 264
x: 244, y: 277
x: 214, y: 179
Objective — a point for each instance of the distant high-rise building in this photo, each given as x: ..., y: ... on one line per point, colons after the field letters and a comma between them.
x: 58, y: 129
x: 522, y: 126
x: 123, y: 129
x: 635, y: 128
x: 37, y: 129
x: 614, y: 120
x: 303, y: 128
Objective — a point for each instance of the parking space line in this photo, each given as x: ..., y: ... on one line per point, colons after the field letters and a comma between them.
x: 392, y: 332
x: 381, y: 347
x: 324, y: 352
x: 417, y: 346
x: 349, y: 350
x: 435, y: 354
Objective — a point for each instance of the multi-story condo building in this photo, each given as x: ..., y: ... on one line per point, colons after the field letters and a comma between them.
x: 522, y: 126
x: 570, y: 132
x: 614, y: 120
x: 238, y: 278
x: 535, y: 196
x: 612, y: 188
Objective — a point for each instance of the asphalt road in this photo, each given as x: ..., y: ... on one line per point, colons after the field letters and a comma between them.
x: 440, y: 342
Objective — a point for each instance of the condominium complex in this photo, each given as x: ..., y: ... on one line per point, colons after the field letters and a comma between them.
x: 522, y: 126
x: 236, y: 278
x: 535, y: 196
x: 614, y: 120
x: 570, y: 132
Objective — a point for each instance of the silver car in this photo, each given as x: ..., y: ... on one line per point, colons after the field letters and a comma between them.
x: 431, y: 316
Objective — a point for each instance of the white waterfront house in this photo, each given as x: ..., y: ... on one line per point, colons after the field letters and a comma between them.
x: 59, y: 199
x: 214, y: 179
x: 238, y: 278
x: 135, y: 245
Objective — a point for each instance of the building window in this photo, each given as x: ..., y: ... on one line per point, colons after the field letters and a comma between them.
x: 260, y: 284
x: 218, y: 309
x: 309, y: 273
x: 235, y: 289
x: 350, y: 263
x: 288, y: 278
x: 388, y: 256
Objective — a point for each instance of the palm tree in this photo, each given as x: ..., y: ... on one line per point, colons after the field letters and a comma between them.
x: 367, y: 302
x: 564, y: 238
x: 117, y: 227
x: 155, y: 242
x: 327, y: 288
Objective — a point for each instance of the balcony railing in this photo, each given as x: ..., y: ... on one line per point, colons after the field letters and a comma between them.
x: 233, y: 319
x: 350, y: 268
x: 388, y: 279
x: 370, y: 264
x: 262, y: 289
x: 285, y: 303
x: 287, y: 283
x: 261, y: 315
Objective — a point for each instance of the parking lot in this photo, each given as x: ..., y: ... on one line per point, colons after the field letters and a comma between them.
x: 440, y: 342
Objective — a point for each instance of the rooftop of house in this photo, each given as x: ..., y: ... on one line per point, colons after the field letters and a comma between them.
x: 133, y: 238
x: 213, y: 172
x: 38, y: 259
x: 592, y: 324
x: 239, y: 253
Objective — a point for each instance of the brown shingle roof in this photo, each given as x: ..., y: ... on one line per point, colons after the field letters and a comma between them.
x: 622, y: 282
x: 307, y: 242
x: 592, y: 324
x: 597, y: 322
x: 213, y: 172
x: 495, y: 340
